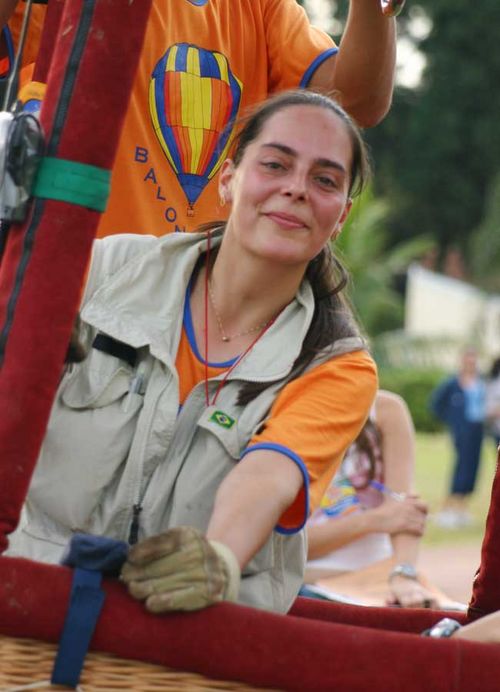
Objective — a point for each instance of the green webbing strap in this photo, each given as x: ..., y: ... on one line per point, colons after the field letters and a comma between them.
x: 69, y: 181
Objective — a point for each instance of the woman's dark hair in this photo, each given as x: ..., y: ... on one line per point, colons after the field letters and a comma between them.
x: 369, y: 441
x: 332, y: 318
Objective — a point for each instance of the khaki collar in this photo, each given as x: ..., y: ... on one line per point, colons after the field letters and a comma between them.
x: 142, y: 305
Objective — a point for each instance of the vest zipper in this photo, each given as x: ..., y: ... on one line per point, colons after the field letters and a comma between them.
x: 134, y: 526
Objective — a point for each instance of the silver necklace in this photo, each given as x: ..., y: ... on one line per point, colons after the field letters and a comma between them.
x: 223, y: 335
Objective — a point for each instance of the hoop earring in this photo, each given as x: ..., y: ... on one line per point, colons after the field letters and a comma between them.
x: 222, y: 200
x: 335, y: 234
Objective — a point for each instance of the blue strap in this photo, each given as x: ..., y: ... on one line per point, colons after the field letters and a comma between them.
x: 91, y: 556
x: 98, y: 553
x: 85, y: 605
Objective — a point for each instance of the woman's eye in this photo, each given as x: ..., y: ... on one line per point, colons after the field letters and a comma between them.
x: 326, y: 182
x: 273, y: 165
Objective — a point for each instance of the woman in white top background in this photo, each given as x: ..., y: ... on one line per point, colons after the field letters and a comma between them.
x: 369, y: 512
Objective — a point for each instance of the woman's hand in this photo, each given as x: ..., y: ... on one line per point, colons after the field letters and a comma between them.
x: 409, y: 593
x: 180, y: 569
x: 406, y: 516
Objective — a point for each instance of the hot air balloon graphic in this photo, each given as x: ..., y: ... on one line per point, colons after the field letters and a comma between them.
x: 193, y: 95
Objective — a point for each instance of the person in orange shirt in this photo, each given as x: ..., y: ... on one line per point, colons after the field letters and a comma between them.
x: 203, y: 64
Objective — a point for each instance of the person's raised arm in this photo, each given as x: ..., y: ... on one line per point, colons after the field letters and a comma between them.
x: 363, y: 70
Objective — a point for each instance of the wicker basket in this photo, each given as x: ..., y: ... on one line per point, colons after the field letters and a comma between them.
x: 26, y: 664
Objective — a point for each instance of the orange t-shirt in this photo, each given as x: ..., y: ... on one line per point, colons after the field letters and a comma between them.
x: 312, y: 421
x: 33, y: 37
x: 202, y: 64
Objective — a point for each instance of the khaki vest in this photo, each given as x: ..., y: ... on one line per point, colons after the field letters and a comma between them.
x: 108, y: 449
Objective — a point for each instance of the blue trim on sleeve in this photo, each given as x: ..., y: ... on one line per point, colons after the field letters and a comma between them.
x: 315, y: 64
x: 295, y: 458
x: 188, y: 326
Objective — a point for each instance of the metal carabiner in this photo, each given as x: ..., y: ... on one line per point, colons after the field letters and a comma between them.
x: 391, y: 8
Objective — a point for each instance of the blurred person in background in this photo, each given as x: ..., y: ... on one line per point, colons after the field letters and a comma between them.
x: 460, y: 402
x: 368, y: 513
x: 493, y: 401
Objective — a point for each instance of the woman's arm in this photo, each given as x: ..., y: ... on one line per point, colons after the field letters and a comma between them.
x: 486, y: 629
x: 363, y: 70
x: 269, y: 485
x: 392, y: 517
x: 333, y: 534
x: 181, y: 569
x: 398, y: 452
x: 404, y: 520
x: 251, y: 500
x: 439, y: 401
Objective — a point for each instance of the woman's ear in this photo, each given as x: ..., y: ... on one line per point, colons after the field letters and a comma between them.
x: 225, y: 180
x: 340, y: 223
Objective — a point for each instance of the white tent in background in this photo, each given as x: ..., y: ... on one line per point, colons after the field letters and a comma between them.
x: 437, y: 305
x: 441, y: 307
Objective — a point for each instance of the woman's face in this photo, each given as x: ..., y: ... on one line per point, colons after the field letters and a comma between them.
x: 289, y: 193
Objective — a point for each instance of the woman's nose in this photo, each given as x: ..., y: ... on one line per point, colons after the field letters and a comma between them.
x: 296, y: 186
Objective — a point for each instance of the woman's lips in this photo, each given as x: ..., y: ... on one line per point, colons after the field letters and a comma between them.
x: 288, y: 221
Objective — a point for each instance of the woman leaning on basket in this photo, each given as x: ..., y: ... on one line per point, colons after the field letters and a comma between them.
x: 225, y: 379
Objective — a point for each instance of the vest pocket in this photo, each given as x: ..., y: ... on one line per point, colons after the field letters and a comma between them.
x: 88, y: 438
x: 224, y: 428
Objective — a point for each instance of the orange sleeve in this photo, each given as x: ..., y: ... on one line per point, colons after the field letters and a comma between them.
x: 33, y: 37
x: 34, y: 30
x: 313, y: 421
x: 295, y: 47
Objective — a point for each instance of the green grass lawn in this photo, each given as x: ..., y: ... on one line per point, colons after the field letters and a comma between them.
x: 432, y: 474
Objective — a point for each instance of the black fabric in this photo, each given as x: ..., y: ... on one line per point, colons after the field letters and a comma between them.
x: 116, y: 348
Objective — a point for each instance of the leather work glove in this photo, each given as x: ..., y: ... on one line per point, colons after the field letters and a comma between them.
x: 180, y: 569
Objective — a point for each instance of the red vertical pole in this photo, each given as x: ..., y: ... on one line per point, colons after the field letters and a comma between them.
x: 89, y: 81
x: 486, y: 586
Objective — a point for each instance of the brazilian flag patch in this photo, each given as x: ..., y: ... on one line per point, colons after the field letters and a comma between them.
x: 222, y: 419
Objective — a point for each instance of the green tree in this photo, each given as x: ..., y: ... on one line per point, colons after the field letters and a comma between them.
x: 362, y: 247
x: 438, y: 150
x: 486, y: 242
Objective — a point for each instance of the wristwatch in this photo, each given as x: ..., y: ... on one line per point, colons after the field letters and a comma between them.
x: 444, y: 628
x: 403, y: 570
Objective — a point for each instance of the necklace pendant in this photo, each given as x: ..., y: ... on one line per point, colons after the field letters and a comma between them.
x: 226, y: 338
